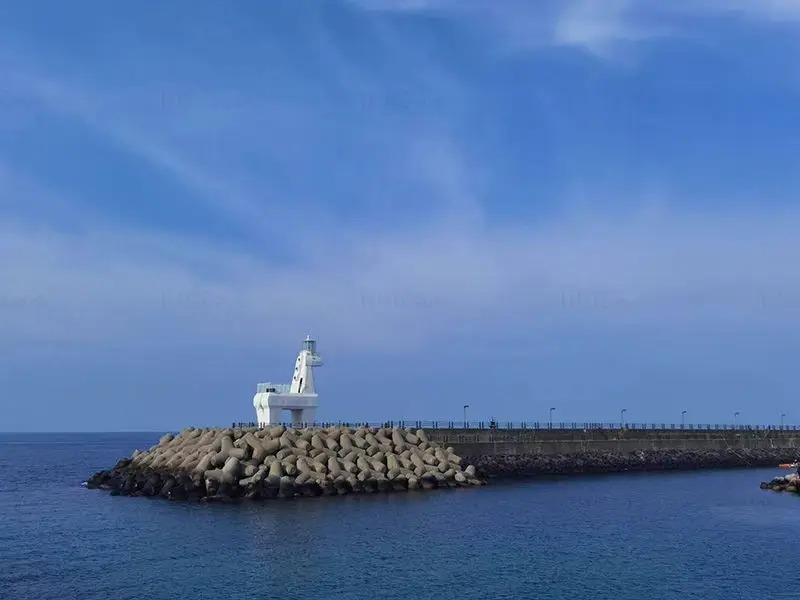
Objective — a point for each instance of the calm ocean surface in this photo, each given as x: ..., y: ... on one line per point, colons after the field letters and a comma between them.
x: 709, y: 535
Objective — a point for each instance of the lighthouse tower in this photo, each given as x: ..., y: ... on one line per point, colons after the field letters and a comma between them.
x: 299, y: 397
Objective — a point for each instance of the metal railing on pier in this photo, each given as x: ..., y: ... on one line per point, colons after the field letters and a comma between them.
x: 539, y: 426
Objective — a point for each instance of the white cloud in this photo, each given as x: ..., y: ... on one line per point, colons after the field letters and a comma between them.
x: 405, y: 289
x: 597, y: 27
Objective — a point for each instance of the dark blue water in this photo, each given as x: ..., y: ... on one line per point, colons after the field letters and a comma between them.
x: 709, y: 535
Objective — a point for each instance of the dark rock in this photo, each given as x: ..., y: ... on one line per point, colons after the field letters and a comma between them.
x: 177, y: 492
x: 342, y: 487
x: 400, y: 484
x: 253, y: 492
x: 532, y: 465
x: 271, y: 487
x: 168, y: 484
x: 226, y: 491
x: 428, y: 482
x: 782, y: 484
x: 151, y: 486
x: 129, y: 485
x: 308, y: 488
x: 211, y: 488
x: 98, y: 480
x: 286, y: 489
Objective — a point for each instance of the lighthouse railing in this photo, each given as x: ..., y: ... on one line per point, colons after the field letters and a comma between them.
x: 580, y: 427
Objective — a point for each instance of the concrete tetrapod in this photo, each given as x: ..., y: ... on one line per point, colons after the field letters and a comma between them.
x: 280, y: 462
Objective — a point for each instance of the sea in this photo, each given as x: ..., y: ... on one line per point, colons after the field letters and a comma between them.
x: 709, y: 535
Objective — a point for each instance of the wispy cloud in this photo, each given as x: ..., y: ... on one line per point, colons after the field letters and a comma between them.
x: 134, y: 138
x: 596, y: 27
x: 768, y: 10
x: 404, y: 289
x: 599, y: 27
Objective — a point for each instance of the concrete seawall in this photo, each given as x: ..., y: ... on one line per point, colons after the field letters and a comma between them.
x: 544, y: 452
x: 484, y: 442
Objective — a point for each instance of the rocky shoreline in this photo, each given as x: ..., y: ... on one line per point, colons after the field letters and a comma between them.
x: 532, y: 465
x: 787, y: 483
x: 280, y: 462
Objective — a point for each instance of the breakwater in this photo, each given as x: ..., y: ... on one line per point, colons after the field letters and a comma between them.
x: 281, y: 462
x: 286, y: 462
x: 593, y: 462
x: 533, y: 452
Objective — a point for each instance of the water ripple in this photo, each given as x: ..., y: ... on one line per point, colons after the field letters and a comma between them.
x: 710, y: 536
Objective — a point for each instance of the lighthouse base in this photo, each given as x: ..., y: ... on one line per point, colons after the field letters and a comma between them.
x: 271, y: 405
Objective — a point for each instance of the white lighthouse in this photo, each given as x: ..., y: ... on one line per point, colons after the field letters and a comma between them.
x: 299, y: 396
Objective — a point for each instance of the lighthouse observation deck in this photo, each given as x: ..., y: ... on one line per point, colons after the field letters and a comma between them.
x: 277, y: 388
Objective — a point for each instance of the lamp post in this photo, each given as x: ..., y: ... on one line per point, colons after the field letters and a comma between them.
x: 783, y: 415
x: 736, y: 419
x: 683, y: 419
x: 622, y: 416
x: 552, y: 408
x: 466, y: 406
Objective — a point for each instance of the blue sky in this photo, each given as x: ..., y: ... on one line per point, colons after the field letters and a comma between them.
x: 514, y: 205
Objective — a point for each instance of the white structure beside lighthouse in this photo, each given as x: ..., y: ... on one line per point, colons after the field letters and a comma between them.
x: 299, y: 397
